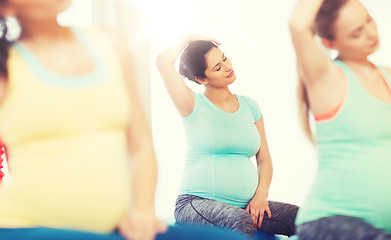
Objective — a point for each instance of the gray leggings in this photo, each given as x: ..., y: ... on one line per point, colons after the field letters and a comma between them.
x: 190, y: 209
x: 340, y: 228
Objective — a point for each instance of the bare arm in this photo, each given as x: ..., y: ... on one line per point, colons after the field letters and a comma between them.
x: 259, y: 204
x: 141, y: 222
x: 181, y: 95
x: 264, y: 162
x: 314, y: 65
x: 144, y: 169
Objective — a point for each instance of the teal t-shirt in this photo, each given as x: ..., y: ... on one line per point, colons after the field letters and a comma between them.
x: 354, y: 152
x: 220, y: 145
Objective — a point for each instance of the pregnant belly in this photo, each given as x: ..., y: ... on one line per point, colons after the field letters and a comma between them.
x: 231, y: 179
x: 236, y: 180
x: 67, y: 187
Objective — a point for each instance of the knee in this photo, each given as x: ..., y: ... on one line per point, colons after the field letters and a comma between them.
x: 244, y: 218
x: 179, y: 216
x: 283, y: 220
x: 243, y: 222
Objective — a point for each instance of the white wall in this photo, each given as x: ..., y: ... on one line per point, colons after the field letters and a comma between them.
x: 80, y: 13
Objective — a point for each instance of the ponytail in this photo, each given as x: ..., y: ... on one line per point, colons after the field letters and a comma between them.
x: 304, y: 110
x: 4, y: 46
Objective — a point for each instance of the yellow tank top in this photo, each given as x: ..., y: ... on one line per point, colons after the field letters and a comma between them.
x: 66, y: 141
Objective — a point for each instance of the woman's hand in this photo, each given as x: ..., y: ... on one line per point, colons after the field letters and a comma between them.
x: 141, y: 225
x: 257, y: 208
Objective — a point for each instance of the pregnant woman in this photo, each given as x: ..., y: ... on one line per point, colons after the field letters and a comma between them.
x: 220, y: 185
x: 350, y: 98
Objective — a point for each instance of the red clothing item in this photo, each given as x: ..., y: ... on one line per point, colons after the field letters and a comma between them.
x: 1, y: 160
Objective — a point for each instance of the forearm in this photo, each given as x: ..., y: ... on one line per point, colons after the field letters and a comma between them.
x: 172, y: 52
x: 265, y: 174
x: 144, y: 177
x: 304, y: 15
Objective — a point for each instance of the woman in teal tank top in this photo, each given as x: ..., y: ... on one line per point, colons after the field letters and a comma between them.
x: 350, y: 99
x: 220, y: 185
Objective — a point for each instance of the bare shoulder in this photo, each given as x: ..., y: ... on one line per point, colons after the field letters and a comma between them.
x: 117, y: 40
x: 120, y: 46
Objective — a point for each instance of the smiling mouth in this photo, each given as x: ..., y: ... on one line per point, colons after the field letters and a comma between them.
x: 230, y: 75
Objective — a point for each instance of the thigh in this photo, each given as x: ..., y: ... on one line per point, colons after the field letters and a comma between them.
x: 196, y: 210
x: 198, y: 232
x: 282, y: 220
x: 51, y: 233
x: 340, y: 228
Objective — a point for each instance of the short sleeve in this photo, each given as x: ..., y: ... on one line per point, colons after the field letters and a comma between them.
x: 197, y: 107
x: 254, y: 108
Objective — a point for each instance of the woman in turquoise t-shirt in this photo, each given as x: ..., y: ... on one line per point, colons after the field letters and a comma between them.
x: 220, y: 185
x: 350, y: 99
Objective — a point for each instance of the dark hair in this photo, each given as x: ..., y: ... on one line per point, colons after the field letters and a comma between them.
x: 4, y: 46
x: 193, y: 59
x: 327, y: 15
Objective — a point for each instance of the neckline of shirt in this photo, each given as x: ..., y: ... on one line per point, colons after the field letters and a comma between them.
x: 55, y: 79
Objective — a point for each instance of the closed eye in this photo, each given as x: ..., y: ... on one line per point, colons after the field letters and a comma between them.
x: 224, y: 59
x: 356, y: 35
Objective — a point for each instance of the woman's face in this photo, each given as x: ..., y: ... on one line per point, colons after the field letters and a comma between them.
x: 36, y: 9
x: 355, y: 31
x: 219, y: 71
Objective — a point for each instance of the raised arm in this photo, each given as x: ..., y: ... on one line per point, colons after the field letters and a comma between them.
x: 313, y: 64
x: 181, y: 95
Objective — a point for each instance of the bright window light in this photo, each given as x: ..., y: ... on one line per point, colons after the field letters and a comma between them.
x: 80, y: 13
